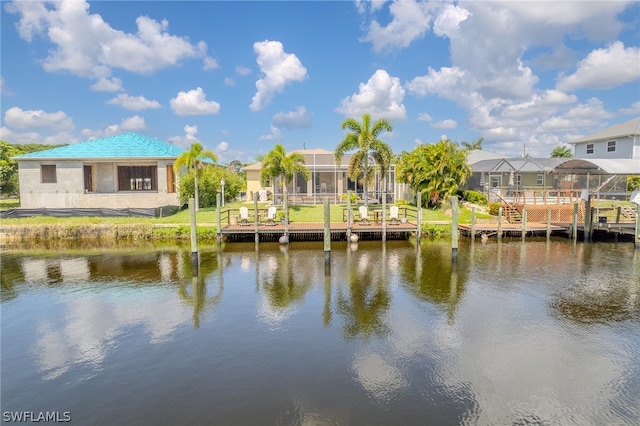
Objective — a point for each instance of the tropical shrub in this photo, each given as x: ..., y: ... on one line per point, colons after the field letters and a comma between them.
x: 475, y: 197
x: 494, y: 208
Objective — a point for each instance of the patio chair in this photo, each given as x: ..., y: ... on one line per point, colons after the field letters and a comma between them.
x: 364, y: 215
x: 271, y: 216
x: 393, y: 215
x: 244, y: 216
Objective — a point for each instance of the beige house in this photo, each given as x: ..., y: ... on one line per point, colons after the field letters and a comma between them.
x: 327, y: 179
x: 122, y: 171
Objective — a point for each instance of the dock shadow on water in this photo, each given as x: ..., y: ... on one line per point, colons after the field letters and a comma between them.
x: 535, y: 332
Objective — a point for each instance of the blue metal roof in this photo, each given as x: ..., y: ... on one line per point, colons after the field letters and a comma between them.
x: 126, y: 145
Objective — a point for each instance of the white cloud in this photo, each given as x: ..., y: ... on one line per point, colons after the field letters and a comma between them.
x: 3, y: 88
x: 210, y: 63
x: 293, y: 119
x: 274, y: 135
x: 423, y: 116
x: 634, y: 109
x: 194, y: 102
x: 105, y: 84
x: 222, y: 147
x: 133, y: 103
x: 187, y: 139
x: 37, y: 119
x: 445, y: 124
x: 240, y: 70
x: 443, y: 82
x: 228, y: 81
x: 411, y: 20
x: 58, y: 138
x: 279, y: 69
x: 131, y: 124
x: 605, y: 68
x: 448, y: 21
x: 382, y: 97
x: 87, y: 46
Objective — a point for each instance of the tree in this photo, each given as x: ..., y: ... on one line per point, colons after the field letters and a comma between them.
x: 364, y: 138
x: 477, y: 144
x: 561, y: 152
x: 191, y: 161
x: 278, y: 164
x: 8, y: 169
x: 436, y: 170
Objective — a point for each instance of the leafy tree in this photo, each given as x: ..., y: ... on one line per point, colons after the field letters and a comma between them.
x: 209, y: 184
x: 561, y: 152
x: 9, y: 168
x: 278, y: 164
x: 192, y: 161
x: 477, y: 144
x: 436, y: 170
x: 633, y: 183
x: 363, y: 137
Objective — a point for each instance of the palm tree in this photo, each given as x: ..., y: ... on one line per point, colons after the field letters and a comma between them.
x: 364, y: 138
x: 192, y: 161
x: 477, y: 144
x: 278, y: 164
x: 561, y: 152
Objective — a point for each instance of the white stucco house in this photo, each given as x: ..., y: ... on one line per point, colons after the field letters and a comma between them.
x: 123, y: 171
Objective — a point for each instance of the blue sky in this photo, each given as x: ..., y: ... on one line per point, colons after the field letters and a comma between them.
x: 242, y: 76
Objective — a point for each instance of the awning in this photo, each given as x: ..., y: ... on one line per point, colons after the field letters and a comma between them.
x: 599, y: 166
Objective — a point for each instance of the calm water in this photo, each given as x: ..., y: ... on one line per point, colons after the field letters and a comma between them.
x: 533, y: 333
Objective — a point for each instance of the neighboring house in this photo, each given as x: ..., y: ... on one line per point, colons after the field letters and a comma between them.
x: 619, y: 141
x: 328, y: 179
x: 122, y: 171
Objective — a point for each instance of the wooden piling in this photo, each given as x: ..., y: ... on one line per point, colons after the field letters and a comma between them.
x: 218, y: 220
x: 454, y: 228
x: 348, y: 216
x: 499, y: 236
x: 285, y: 203
x: 255, y: 220
x: 327, y: 231
x: 638, y: 226
x: 574, y: 229
x: 548, y: 222
x: 586, y: 231
x: 618, y: 213
x: 384, y: 218
x: 524, y: 223
x: 419, y: 214
x: 473, y: 223
x: 194, y: 236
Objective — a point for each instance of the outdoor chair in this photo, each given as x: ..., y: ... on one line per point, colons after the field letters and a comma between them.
x: 393, y: 215
x: 364, y: 215
x: 271, y: 216
x: 244, y: 216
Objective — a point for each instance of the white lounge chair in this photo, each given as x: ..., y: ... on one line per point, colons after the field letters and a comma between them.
x: 244, y: 216
x: 271, y: 216
x: 393, y: 215
x: 364, y: 215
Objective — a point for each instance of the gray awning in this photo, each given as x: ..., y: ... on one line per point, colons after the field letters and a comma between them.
x: 599, y: 166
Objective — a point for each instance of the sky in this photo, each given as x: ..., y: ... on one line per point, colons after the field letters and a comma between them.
x: 241, y: 77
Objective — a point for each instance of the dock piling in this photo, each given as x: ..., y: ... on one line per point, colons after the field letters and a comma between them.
x: 218, y: 221
x: 194, y: 236
x: 327, y: 231
x: 255, y: 220
x: 419, y: 214
x: 454, y: 228
x: 384, y: 218
x: 499, y: 236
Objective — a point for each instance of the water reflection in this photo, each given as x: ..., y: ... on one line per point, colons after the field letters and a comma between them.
x: 542, y: 332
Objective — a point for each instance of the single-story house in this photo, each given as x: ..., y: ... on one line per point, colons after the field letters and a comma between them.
x: 619, y: 141
x: 328, y: 179
x: 123, y: 171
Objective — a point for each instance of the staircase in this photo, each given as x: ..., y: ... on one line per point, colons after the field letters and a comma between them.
x: 512, y: 214
x: 628, y: 212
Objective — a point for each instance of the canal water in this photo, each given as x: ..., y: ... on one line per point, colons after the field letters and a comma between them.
x: 515, y: 333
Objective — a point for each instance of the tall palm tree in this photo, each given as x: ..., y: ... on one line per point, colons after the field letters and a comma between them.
x: 561, y: 152
x: 278, y: 164
x: 192, y: 161
x: 477, y: 144
x: 364, y: 138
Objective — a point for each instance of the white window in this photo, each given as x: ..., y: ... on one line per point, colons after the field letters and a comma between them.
x: 540, y: 179
x: 611, y: 146
x: 495, y: 181
x: 589, y: 148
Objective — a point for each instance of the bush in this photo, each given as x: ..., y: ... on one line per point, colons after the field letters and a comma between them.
x: 475, y: 197
x: 402, y: 203
x: 354, y: 197
x: 494, y: 208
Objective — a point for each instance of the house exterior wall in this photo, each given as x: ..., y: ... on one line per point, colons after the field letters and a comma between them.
x: 626, y: 147
x: 68, y: 190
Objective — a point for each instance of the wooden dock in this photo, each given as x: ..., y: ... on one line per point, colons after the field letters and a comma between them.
x: 314, y: 231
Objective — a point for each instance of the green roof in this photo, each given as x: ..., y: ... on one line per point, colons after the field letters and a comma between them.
x: 126, y: 145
